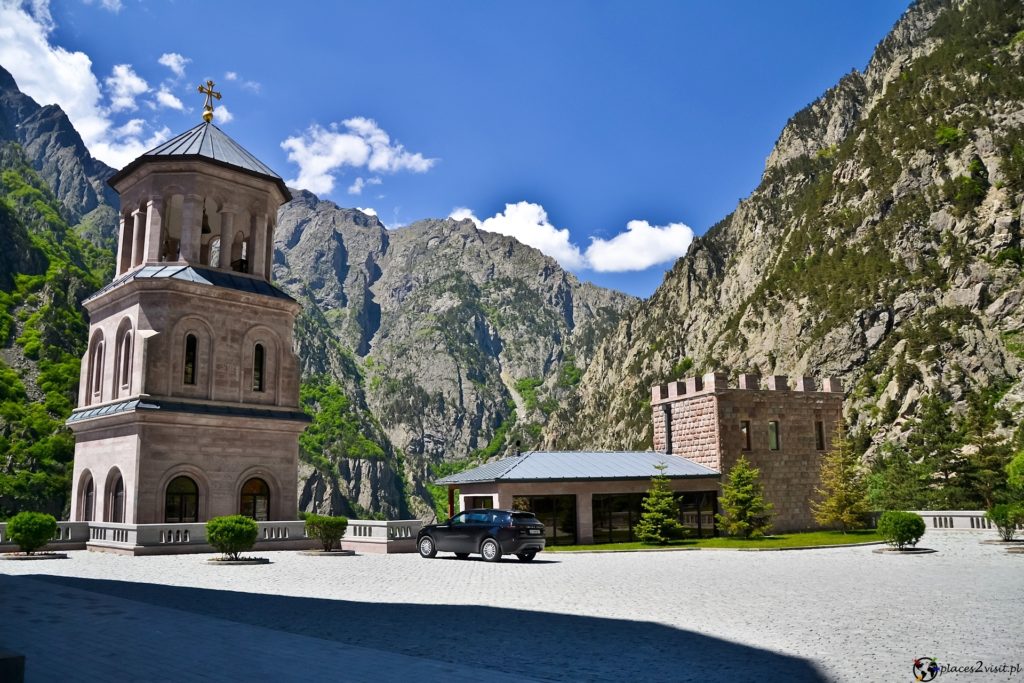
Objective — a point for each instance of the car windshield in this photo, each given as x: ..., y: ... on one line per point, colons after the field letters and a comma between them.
x: 524, y: 518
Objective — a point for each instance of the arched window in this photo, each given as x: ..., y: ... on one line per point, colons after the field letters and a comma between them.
x: 96, y: 370
x: 190, y: 359
x: 181, y: 503
x: 125, y: 361
x: 258, y: 368
x: 115, y: 508
x: 255, y: 501
x: 88, y: 501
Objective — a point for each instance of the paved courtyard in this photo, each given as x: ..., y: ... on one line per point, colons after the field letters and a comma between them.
x: 832, y: 614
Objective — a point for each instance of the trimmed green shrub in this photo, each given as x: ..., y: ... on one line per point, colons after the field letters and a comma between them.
x: 659, y: 522
x: 31, y: 530
x: 328, y: 529
x: 232, y: 535
x: 901, y: 529
x: 745, y: 512
x: 1006, y: 517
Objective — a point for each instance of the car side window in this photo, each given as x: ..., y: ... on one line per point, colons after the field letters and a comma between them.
x: 460, y: 519
x: 501, y: 518
x: 479, y: 517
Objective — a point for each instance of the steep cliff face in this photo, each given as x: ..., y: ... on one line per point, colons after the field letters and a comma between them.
x: 454, y: 340
x: 883, y: 245
x: 56, y: 152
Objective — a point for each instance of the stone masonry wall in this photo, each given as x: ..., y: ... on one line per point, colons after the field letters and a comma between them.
x: 790, y: 474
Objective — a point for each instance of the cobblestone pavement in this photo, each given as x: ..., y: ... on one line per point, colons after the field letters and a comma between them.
x: 844, y: 614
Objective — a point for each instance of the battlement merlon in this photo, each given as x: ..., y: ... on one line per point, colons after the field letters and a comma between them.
x: 714, y: 382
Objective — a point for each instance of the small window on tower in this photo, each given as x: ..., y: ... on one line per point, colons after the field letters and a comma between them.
x: 819, y: 435
x: 773, y: 435
x: 190, y: 359
x: 257, y: 368
x: 745, y: 432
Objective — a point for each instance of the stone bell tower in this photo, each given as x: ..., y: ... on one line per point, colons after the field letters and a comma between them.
x: 189, y: 395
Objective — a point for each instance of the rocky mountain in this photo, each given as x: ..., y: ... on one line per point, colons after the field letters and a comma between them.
x: 882, y: 245
x: 421, y: 346
x: 451, y: 342
x: 57, y: 153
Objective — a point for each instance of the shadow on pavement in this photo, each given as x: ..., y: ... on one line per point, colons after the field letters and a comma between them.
x: 528, y: 643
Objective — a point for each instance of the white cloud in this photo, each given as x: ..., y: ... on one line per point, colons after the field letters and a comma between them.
x: 174, y: 62
x: 357, y: 142
x: 132, y: 128
x: 51, y: 74
x: 641, y: 246
x: 252, y: 86
x: 528, y: 223
x: 222, y: 115
x: 124, y: 86
x: 231, y: 76
x: 166, y: 99
x: 368, y: 211
x: 357, y: 186
x: 110, y: 5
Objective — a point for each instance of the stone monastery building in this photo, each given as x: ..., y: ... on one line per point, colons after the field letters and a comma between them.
x: 189, y: 399
x: 701, y: 427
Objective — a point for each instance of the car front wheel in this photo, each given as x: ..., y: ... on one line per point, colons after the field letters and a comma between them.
x: 526, y: 557
x: 490, y: 550
x: 427, y: 547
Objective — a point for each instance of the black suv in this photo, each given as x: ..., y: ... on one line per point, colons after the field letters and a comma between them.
x: 492, y: 533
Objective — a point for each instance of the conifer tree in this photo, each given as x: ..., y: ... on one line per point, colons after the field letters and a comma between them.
x: 659, y: 522
x: 843, y: 492
x: 745, y: 512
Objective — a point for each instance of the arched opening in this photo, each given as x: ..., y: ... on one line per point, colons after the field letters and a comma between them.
x: 88, y: 499
x: 181, y: 502
x: 258, y: 367
x: 115, y: 499
x: 191, y: 344
x: 255, y: 500
x: 95, y: 376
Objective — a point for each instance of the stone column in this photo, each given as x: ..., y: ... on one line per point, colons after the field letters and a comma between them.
x: 269, y: 268
x: 191, y: 227
x: 227, y: 238
x: 139, y: 238
x: 124, y: 247
x: 154, y: 229
x: 257, y: 252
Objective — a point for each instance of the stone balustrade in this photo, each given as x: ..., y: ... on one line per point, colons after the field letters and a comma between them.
x: 69, y: 536
x: 376, y: 536
x: 955, y: 519
x: 379, y: 536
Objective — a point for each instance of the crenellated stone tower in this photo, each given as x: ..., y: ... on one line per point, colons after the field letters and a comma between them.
x: 189, y: 398
x: 783, y: 431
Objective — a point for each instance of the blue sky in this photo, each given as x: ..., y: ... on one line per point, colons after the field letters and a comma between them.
x: 600, y: 132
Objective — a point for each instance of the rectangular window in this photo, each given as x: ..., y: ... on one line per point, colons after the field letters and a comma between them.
x: 819, y: 435
x: 773, y: 435
x: 745, y: 432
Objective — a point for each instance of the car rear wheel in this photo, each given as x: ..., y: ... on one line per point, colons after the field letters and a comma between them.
x: 526, y: 557
x: 490, y: 550
x: 462, y: 556
x: 427, y: 547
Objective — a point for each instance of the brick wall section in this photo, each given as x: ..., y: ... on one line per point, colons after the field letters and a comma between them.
x: 706, y: 429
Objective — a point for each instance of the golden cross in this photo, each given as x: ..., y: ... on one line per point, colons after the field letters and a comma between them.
x: 208, y: 106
